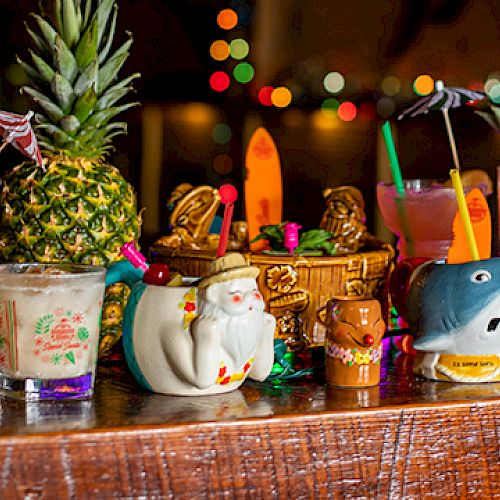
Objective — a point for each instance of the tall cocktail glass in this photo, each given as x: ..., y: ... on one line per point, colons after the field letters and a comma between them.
x: 422, y: 218
x: 49, y: 329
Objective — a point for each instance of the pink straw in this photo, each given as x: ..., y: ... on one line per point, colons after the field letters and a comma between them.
x: 228, y: 195
x: 135, y: 257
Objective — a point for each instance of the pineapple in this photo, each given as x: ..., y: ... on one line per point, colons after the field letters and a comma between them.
x: 77, y: 207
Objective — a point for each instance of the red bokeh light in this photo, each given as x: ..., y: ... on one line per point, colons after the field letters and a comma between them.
x: 347, y: 111
x: 265, y: 95
x: 219, y: 81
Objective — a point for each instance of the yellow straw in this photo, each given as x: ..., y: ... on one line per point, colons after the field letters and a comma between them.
x: 464, y: 212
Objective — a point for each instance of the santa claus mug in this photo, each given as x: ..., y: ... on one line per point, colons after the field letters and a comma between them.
x: 199, y: 338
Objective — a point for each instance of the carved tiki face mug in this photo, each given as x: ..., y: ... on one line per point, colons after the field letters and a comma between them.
x: 354, y: 342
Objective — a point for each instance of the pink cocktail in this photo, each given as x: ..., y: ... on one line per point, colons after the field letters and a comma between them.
x: 422, y: 219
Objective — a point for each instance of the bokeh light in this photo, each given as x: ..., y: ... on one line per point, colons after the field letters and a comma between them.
x: 238, y: 48
x: 219, y: 81
x: 492, y: 87
x: 334, y: 82
x: 347, y: 111
x: 227, y: 19
x: 243, y: 72
x: 385, y: 107
x: 391, y: 85
x: 323, y: 121
x: 222, y: 164
x: 221, y: 133
x: 265, y: 95
x: 423, y: 85
x: 494, y: 93
x: 219, y: 50
x: 198, y: 114
x: 330, y: 106
x: 281, y: 97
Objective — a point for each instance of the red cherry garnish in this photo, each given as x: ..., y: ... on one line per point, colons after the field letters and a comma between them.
x: 157, y: 274
x: 368, y: 339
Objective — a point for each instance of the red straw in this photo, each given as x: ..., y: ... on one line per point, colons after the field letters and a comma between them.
x: 228, y: 195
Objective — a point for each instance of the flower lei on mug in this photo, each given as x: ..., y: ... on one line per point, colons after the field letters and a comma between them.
x: 189, y: 307
x: 348, y: 357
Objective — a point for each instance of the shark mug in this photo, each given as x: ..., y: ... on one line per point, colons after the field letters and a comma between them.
x: 197, y: 340
x: 453, y: 311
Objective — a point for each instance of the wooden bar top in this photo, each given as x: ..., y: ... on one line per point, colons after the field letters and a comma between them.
x: 406, y: 438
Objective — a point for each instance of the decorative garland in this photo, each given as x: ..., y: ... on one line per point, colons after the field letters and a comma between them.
x: 224, y: 378
x: 349, y: 357
x: 189, y: 306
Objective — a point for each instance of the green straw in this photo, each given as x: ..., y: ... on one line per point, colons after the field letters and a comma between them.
x: 393, y: 158
x: 398, y: 184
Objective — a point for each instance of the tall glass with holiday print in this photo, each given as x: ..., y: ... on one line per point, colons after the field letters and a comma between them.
x: 49, y: 329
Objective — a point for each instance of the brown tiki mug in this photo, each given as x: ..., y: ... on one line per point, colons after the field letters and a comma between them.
x: 353, y: 344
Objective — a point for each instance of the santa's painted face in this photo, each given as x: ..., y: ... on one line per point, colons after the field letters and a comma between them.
x: 237, y: 297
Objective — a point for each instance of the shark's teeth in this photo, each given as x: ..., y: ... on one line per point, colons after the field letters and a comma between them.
x: 493, y: 324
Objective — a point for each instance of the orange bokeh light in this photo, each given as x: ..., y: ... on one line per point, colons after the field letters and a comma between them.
x: 423, y: 85
x: 281, y: 97
x: 227, y: 19
x: 219, y: 50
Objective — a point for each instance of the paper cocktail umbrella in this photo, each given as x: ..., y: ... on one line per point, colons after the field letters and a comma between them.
x: 16, y: 130
x: 443, y: 99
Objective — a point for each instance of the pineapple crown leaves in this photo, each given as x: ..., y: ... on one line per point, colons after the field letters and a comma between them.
x: 73, y: 77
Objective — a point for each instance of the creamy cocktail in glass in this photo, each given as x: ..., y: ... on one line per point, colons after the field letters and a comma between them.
x: 49, y: 329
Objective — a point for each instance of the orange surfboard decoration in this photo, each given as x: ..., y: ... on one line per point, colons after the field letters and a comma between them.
x: 263, y: 185
x: 480, y: 218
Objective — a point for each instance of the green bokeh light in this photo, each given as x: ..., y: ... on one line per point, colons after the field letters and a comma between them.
x: 329, y: 106
x: 221, y: 133
x: 239, y: 48
x: 243, y: 72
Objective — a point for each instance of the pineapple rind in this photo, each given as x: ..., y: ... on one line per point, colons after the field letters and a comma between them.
x: 77, y: 210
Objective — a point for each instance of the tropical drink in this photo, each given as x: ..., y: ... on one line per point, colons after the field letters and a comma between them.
x: 49, y: 329
x: 422, y: 218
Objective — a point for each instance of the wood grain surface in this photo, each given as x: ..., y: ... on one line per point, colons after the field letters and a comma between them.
x: 403, y: 439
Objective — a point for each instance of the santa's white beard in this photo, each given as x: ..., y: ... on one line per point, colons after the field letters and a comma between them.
x: 241, y: 334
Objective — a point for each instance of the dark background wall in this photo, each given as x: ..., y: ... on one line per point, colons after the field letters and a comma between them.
x: 292, y: 42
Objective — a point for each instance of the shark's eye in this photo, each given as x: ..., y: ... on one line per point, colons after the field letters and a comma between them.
x: 480, y: 276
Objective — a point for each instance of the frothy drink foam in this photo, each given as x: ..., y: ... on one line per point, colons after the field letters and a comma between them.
x: 49, y: 325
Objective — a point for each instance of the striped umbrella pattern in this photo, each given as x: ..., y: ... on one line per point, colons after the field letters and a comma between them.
x: 16, y: 130
x: 443, y: 99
